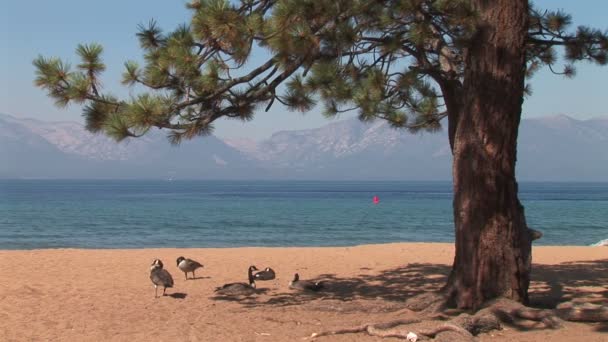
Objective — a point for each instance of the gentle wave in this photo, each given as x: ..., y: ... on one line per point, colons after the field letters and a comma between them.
x: 601, y: 243
x: 146, y: 214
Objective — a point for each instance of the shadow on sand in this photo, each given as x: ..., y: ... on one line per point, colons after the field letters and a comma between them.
x: 177, y: 295
x: 580, y: 281
x: 391, y: 285
x: 198, y: 278
x: 240, y: 298
x: 551, y: 284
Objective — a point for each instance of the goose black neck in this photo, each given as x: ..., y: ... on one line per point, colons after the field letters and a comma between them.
x: 250, y: 275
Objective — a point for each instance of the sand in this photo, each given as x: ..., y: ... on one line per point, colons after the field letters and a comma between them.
x: 106, y: 295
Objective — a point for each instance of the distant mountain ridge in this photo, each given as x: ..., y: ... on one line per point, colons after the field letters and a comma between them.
x: 67, y: 150
x: 556, y: 148
x: 350, y: 149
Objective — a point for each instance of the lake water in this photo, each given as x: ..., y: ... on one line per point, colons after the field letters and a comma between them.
x: 139, y: 214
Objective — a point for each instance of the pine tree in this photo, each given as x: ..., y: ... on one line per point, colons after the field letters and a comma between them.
x: 413, y: 63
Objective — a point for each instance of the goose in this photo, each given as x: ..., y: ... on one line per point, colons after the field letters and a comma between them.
x: 239, y: 288
x: 304, y: 285
x: 160, y: 277
x: 266, y: 274
x: 188, y: 265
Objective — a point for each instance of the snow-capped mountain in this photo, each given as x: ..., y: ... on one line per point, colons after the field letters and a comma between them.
x: 72, y: 138
x: 351, y: 149
x: 550, y: 148
x: 562, y: 148
x: 33, y: 148
x: 554, y: 148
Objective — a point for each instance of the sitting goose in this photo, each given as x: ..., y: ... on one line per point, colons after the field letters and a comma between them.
x: 160, y: 277
x: 239, y: 288
x: 266, y: 274
x: 188, y: 265
x: 304, y: 285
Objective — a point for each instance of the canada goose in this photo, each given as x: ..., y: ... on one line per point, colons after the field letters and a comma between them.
x: 304, y: 285
x: 160, y: 277
x: 188, y: 265
x: 239, y: 288
x: 266, y: 274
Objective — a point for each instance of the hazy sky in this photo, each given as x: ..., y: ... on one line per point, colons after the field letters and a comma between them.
x: 54, y: 28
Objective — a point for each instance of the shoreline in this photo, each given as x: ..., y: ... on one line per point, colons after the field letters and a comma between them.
x: 121, y: 249
x: 106, y: 294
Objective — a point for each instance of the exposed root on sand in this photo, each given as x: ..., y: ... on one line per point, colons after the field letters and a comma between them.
x: 435, y: 322
x: 379, y: 329
x: 582, y: 312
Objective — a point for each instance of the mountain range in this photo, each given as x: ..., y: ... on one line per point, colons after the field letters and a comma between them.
x: 556, y: 148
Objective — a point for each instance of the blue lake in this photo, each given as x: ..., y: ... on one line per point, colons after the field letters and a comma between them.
x: 141, y: 214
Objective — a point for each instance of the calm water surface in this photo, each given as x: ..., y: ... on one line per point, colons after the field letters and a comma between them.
x: 138, y: 214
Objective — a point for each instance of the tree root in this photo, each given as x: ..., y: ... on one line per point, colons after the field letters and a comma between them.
x: 428, y: 302
x: 464, y: 326
x: 514, y: 313
x: 370, y: 328
x: 585, y: 312
x: 392, y: 329
x: 446, y: 327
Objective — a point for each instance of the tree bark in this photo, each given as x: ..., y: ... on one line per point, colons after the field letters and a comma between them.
x: 453, y: 97
x: 493, y: 245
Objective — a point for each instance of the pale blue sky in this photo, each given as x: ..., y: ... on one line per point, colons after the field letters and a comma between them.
x: 54, y: 28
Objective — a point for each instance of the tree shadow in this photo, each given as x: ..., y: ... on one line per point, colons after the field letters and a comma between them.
x: 580, y: 281
x: 551, y: 284
x: 571, y: 281
x: 602, y: 327
x: 394, y: 285
x: 240, y: 298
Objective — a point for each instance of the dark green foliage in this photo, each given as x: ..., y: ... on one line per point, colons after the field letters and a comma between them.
x: 550, y: 34
x: 95, y: 113
x: 389, y: 59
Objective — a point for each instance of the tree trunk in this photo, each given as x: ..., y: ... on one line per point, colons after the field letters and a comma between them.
x: 493, y: 246
x: 453, y: 97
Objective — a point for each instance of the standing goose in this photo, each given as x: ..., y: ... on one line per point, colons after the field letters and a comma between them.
x: 304, y: 285
x: 239, y: 288
x: 160, y: 277
x: 188, y: 265
x: 266, y: 274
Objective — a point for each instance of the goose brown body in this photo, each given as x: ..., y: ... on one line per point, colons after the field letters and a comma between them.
x: 160, y: 277
x: 266, y: 274
x: 188, y: 265
x: 304, y: 285
x: 239, y: 288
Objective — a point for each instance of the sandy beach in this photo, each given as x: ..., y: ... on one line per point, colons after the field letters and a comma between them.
x: 106, y: 295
